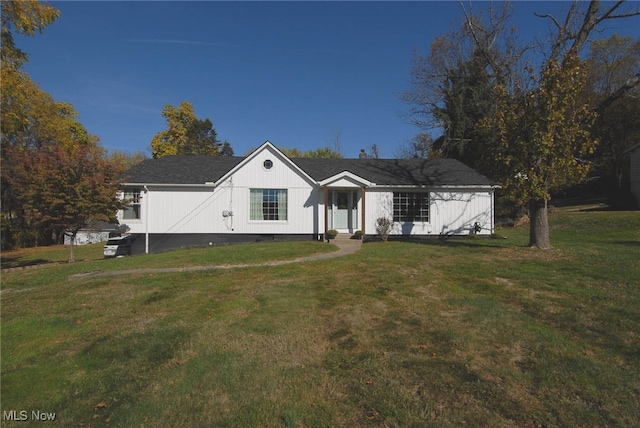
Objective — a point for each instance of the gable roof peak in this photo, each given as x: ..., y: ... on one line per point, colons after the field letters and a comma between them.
x: 267, y: 145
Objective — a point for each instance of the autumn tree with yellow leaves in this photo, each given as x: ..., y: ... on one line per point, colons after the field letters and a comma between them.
x: 185, y: 134
x: 55, y: 176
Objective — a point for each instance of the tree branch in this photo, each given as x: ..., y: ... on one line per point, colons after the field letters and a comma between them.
x: 551, y: 17
x: 490, y: 38
x: 580, y: 35
x: 629, y: 84
x: 609, y: 13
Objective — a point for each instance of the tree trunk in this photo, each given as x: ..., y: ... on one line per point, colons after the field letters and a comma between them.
x: 539, y: 225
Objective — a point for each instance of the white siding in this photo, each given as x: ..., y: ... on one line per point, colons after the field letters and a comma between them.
x: 451, y: 212
x: 302, y: 196
x: 200, y: 209
x: 457, y: 212
x: 185, y: 210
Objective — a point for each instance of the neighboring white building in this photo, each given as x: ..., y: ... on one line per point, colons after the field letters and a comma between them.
x: 92, y: 233
x: 196, y: 200
x: 634, y: 155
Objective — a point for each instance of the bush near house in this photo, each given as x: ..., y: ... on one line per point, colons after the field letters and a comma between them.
x: 383, y: 228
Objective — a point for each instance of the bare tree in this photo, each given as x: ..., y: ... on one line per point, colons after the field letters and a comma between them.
x: 337, y: 140
x: 420, y: 147
x: 374, y: 152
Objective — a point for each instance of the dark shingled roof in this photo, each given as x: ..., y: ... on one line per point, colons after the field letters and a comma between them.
x: 188, y: 169
x: 393, y: 172
x: 397, y: 172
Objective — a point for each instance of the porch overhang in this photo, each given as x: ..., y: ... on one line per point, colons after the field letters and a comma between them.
x: 345, y: 179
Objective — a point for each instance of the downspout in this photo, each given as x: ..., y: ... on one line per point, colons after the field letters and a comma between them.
x: 326, y: 212
x: 146, y: 222
x: 364, y: 214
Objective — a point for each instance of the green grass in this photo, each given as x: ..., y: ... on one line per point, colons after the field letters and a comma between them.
x: 232, y: 254
x: 440, y: 333
x: 30, y: 262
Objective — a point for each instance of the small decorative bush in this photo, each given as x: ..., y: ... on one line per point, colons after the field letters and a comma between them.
x: 358, y: 234
x: 332, y: 233
x: 383, y: 227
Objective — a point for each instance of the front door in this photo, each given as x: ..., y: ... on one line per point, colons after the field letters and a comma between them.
x: 344, y: 210
x: 341, y: 210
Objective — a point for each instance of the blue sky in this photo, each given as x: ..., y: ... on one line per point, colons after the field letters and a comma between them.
x: 296, y: 73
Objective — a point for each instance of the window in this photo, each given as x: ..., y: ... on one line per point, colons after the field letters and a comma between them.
x: 268, y: 204
x: 411, y: 207
x: 268, y: 164
x: 132, y: 211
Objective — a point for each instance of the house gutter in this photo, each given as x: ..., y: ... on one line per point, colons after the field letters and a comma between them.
x: 144, y: 185
x: 430, y: 187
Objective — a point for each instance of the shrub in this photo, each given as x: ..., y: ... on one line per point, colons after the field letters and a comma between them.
x: 332, y: 233
x: 383, y: 227
x: 358, y: 234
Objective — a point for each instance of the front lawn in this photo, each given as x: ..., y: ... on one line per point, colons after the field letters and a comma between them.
x: 438, y: 333
x: 33, y: 267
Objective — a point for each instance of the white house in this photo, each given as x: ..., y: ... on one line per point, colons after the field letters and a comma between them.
x: 196, y: 200
x: 634, y: 155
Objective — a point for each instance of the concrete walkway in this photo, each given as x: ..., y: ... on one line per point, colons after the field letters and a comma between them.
x: 345, y: 246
